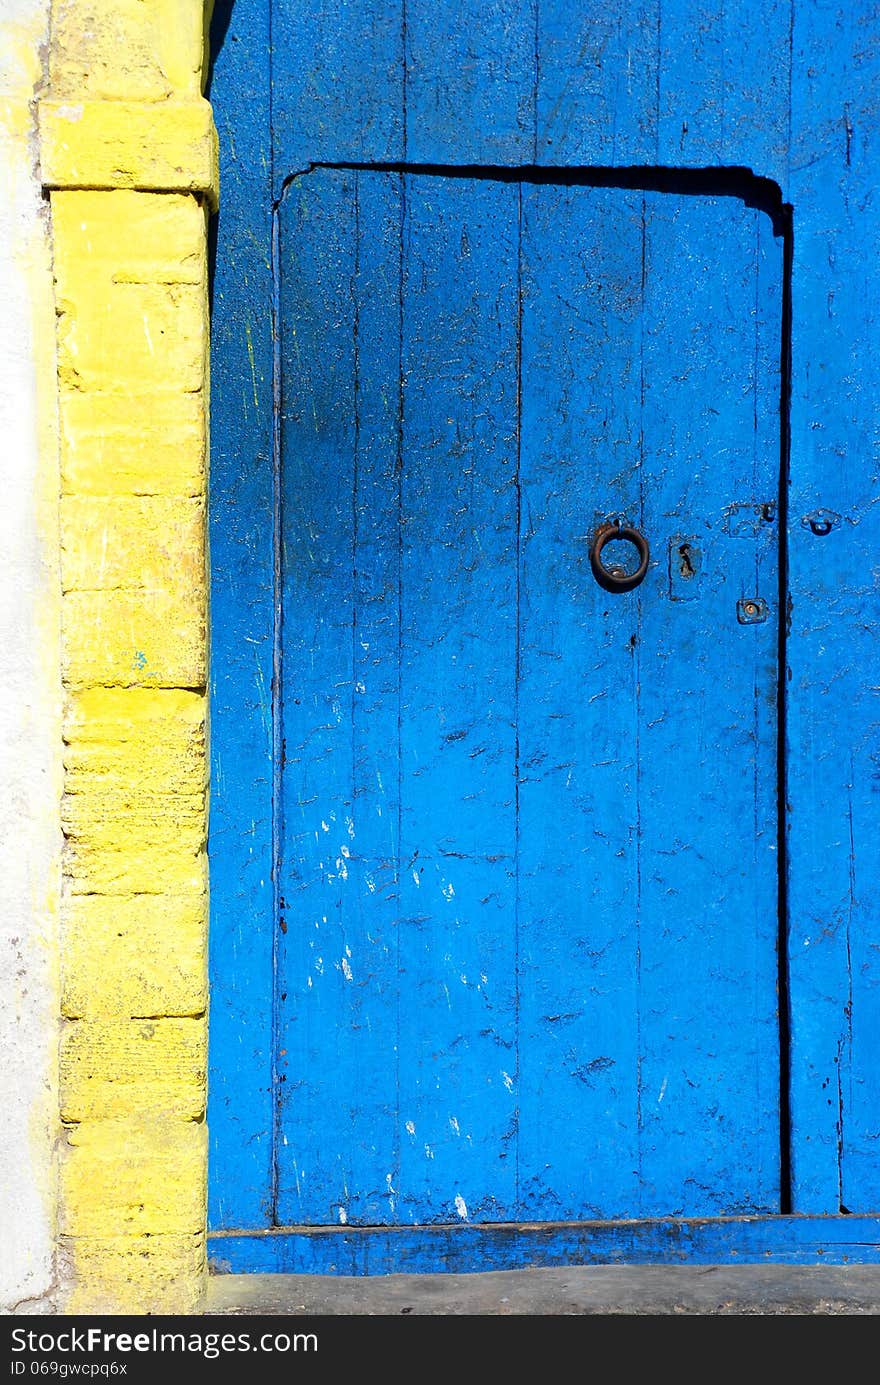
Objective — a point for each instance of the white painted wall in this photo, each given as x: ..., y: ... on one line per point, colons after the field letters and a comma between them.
x: 30, y: 734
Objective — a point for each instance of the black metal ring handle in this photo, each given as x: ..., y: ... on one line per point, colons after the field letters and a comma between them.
x: 614, y: 580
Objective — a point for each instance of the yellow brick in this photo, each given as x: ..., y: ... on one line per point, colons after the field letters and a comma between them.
x: 138, y: 49
x: 137, y: 1274
x: 124, y: 238
x: 173, y: 716
x: 135, y: 740
x: 115, y: 870
x: 134, y: 1178
x: 135, y: 639
x: 138, y: 444
x: 144, y: 335
x: 110, y: 866
x: 131, y: 291
x: 146, y: 542
x: 162, y: 146
x: 134, y: 955
x: 135, y: 801
x: 127, y: 1068
x: 127, y: 820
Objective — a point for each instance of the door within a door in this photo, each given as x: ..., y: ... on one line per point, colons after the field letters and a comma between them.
x: 526, y: 813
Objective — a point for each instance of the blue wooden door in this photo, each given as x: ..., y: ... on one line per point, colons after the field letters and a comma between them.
x: 528, y: 836
x: 537, y: 928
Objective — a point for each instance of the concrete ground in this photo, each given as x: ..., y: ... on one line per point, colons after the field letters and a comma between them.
x: 615, y: 1289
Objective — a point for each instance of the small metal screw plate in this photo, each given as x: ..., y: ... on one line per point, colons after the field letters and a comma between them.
x: 821, y: 522
x: 752, y: 610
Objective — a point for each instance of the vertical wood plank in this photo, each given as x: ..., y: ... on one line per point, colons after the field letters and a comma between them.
x: 756, y: 75
x: 240, y: 532
x: 581, y: 257
x: 690, y: 82
x: 337, y: 979
x: 722, y: 91
x: 374, y: 847
x: 707, y: 713
x: 835, y: 1002
x: 337, y: 82
x: 597, y: 82
x: 471, y: 72
x: 457, y: 704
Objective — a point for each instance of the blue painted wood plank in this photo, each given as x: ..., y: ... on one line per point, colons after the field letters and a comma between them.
x: 706, y: 720
x: 690, y: 82
x: 598, y: 67
x: 581, y: 288
x: 374, y: 82
x: 337, y: 82
x: 465, y: 1249
x: 522, y: 82
x: 337, y: 995
x: 722, y: 84
x: 374, y: 860
x: 457, y: 958
x: 756, y: 71
x: 832, y: 647
x: 678, y: 85
x: 471, y: 76
x: 240, y: 523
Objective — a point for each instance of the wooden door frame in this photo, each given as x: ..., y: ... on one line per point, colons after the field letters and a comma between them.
x: 822, y: 574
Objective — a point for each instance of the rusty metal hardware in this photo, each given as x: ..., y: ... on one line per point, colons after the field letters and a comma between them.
x: 752, y: 610
x: 613, y: 577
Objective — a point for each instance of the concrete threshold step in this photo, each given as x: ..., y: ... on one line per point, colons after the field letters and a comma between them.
x: 606, y: 1289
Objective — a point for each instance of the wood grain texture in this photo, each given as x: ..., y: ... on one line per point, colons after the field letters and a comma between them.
x: 707, y: 712
x: 241, y: 518
x: 832, y: 647
x: 533, y: 81
x: 458, y: 633
x: 340, y: 823
x: 579, y: 1041
x: 338, y: 82
x: 477, y: 106
x: 597, y: 79
x: 462, y: 1249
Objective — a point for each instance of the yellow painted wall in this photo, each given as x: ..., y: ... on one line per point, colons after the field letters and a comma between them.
x: 129, y: 151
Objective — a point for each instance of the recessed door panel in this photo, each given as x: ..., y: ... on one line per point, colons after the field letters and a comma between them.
x: 527, y: 828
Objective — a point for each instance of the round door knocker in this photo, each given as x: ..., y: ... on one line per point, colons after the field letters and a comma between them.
x: 614, y: 577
